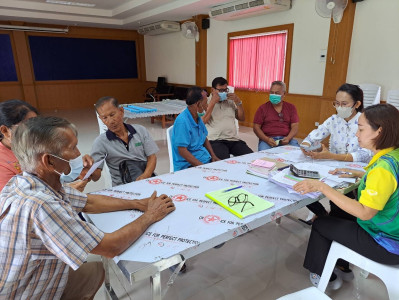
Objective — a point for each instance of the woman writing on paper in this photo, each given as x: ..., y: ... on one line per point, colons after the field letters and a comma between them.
x: 375, y: 233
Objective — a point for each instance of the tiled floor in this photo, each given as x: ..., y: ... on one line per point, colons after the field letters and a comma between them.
x: 263, y: 264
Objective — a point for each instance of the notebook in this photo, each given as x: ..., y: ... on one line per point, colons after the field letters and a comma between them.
x: 239, y: 201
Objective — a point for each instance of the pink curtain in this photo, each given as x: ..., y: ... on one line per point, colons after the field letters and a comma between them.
x: 255, y: 62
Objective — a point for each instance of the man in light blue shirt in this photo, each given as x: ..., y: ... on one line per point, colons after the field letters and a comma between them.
x: 190, y: 146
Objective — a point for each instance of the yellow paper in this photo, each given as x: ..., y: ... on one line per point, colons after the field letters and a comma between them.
x: 239, y: 201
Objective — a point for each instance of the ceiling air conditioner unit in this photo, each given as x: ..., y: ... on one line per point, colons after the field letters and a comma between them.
x: 247, y: 8
x: 159, y: 28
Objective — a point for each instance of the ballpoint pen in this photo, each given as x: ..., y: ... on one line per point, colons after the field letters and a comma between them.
x: 234, y: 188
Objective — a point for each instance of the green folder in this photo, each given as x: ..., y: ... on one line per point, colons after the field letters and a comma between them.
x: 239, y: 201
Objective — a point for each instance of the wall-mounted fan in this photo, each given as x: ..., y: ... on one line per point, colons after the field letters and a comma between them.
x: 331, y: 8
x: 190, y: 30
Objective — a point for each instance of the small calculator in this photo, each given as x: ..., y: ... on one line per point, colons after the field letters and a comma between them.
x: 304, y: 173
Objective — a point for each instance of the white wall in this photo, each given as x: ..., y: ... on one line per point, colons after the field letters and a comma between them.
x: 374, y: 55
x: 173, y: 56
x: 310, y: 36
x: 170, y: 55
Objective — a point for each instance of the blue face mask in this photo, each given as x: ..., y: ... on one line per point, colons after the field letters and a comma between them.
x: 76, y: 166
x: 275, y: 99
x: 223, y: 96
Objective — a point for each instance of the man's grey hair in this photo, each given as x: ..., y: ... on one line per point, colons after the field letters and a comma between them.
x: 280, y: 83
x: 37, y: 136
x: 106, y: 99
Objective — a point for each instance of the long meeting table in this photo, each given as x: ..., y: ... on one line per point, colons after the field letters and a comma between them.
x: 198, y: 224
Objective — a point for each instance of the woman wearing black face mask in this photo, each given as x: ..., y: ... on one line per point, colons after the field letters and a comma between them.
x: 341, y: 128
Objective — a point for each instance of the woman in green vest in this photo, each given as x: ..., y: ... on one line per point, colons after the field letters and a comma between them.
x: 375, y: 232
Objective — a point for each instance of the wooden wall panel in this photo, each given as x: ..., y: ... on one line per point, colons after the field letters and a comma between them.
x: 10, y: 91
x: 83, y: 94
x: 339, y: 45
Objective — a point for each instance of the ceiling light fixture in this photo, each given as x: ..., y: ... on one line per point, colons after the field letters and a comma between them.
x: 35, y: 29
x: 71, y: 3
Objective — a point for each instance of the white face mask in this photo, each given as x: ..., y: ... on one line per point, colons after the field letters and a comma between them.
x: 344, y: 112
x: 76, y: 166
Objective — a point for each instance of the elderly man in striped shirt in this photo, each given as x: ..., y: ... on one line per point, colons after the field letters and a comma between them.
x: 44, y: 244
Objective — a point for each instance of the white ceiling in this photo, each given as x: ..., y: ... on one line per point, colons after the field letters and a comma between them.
x: 123, y: 14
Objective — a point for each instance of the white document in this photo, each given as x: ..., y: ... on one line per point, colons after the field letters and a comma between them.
x: 285, y: 179
x: 93, y: 168
x: 293, y: 155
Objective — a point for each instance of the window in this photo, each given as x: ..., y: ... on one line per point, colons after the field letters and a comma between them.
x: 259, y: 57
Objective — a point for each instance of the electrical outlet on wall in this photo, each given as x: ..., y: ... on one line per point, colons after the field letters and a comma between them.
x: 323, y: 55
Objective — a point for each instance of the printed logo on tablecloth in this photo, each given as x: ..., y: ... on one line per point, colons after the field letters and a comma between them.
x: 155, y: 181
x: 211, y: 219
x: 276, y: 216
x: 290, y: 148
x: 212, y: 170
x: 179, y: 198
x: 212, y: 178
x: 231, y: 161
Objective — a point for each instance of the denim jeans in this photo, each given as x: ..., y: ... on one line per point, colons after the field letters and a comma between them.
x: 264, y: 146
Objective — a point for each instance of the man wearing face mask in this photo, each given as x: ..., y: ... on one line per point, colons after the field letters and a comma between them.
x: 223, y: 110
x: 190, y: 145
x: 276, y: 122
x: 44, y: 243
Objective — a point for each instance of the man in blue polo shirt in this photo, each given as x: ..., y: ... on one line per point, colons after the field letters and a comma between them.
x: 125, y: 147
x: 190, y: 146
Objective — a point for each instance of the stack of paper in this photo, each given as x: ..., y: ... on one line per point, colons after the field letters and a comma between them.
x: 287, y: 180
x: 239, y: 201
x: 264, y: 167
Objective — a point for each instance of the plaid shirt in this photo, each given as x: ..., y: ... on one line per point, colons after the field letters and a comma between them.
x: 40, y: 236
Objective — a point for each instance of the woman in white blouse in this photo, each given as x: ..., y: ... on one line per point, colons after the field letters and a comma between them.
x: 344, y: 145
x: 341, y: 128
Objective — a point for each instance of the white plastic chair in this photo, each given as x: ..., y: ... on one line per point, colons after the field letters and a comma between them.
x: 388, y: 274
x: 169, y: 142
x: 393, y: 98
x: 371, y: 93
x: 105, y: 172
x: 312, y: 293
